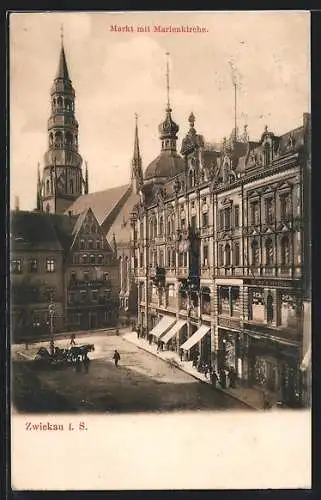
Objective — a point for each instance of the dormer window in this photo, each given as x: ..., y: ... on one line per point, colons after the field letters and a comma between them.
x: 267, y: 156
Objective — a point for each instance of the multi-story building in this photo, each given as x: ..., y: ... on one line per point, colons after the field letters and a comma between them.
x: 64, y: 274
x: 221, y: 253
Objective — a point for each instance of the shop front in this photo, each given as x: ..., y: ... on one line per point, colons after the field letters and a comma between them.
x: 229, y: 356
x: 274, y: 367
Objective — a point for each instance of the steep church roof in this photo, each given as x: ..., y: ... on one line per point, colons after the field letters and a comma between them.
x: 102, y: 203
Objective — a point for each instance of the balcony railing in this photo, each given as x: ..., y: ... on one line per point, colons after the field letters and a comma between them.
x: 73, y: 283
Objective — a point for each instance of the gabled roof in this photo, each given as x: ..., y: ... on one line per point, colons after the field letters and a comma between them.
x: 121, y: 225
x: 102, y: 203
x: 38, y: 231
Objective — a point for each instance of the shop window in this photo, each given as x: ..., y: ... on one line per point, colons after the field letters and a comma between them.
x: 269, y: 252
x: 206, y: 301
x: 224, y: 300
x: 256, y: 305
x: 235, y: 301
x: 289, y: 317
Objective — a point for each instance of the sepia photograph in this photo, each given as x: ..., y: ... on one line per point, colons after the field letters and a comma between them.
x: 160, y: 235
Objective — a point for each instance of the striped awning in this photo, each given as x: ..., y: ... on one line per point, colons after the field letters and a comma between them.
x: 173, y: 331
x: 196, y: 337
x: 165, y: 323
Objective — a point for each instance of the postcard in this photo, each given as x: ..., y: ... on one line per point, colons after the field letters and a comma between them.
x: 160, y: 250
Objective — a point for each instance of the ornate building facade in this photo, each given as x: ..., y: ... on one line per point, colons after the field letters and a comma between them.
x: 221, y: 255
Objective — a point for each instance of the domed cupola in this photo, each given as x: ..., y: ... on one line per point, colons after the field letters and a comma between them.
x: 168, y: 163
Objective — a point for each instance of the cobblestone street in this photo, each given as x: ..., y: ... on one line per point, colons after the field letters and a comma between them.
x: 142, y: 382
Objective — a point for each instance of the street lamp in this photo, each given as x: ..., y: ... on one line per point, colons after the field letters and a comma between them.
x: 51, y: 309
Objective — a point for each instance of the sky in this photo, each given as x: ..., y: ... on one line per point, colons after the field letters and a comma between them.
x: 117, y: 74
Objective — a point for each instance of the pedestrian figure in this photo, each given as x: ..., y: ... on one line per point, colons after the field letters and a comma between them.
x: 116, y: 357
x: 72, y: 340
x: 232, y: 377
x: 214, y: 378
x: 86, y: 363
x: 181, y: 352
x: 158, y: 345
x: 266, y: 402
x: 222, y: 378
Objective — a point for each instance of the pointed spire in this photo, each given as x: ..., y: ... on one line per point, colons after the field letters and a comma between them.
x: 167, y: 82
x: 62, y: 68
x: 136, y: 142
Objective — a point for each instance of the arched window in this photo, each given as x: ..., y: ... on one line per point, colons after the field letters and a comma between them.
x: 285, y: 251
x: 155, y: 227
x: 161, y: 226
x: 255, y: 253
x: 71, y: 186
x: 269, y: 252
x: 151, y: 227
x: 191, y: 178
x: 47, y: 186
x: 50, y: 139
x: 227, y: 255
x: 59, y: 102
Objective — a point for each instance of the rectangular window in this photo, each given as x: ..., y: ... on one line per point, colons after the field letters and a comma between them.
x: 285, y: 206
x: 98, y: 244
x: 16, y: 266
x: 90, y: 244
x: 180, y: 259
x: 227, y: 218
x: 168, y: 258
x: 220, y: 255
x: 94, y: 295
x: 205, y: 255
x: 235, y: 301
x: 100, y: 260
x: 205, y: 219
x: 84, y: 259
x: 236, y: 254
x: 75, y: 259
x: 92, y: 260
x: 50, y: 265
x: 269, y: 213
x: 83, y: 296
x: 141, y: 260
x: 185, y: 259
x: 193, y: 222
x: 86, y: 276
x: 221, y: 216
x: 82, y: 244
x: 237, y: 216
x: 255, y: 213
x: 33, y: 266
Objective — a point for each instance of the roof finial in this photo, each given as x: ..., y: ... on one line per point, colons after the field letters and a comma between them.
x: 62, y: 33
x: 167, y: 81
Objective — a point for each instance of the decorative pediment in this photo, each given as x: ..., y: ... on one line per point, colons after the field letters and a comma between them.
x: 284, y: 186
x: 226, y: 201
x: 254, y: 194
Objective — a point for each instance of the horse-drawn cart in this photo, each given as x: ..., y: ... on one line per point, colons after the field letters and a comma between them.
x: 63, y: 356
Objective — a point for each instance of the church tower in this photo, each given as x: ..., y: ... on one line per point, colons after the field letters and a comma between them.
x: 136, y: 170
x: 62, y: 179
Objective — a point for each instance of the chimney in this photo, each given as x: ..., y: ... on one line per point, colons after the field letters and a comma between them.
x: 16, y: 203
